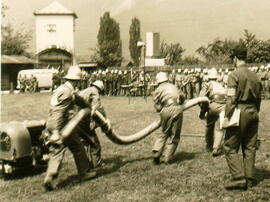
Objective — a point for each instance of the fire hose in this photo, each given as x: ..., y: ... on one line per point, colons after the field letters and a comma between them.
x: 119, y: 139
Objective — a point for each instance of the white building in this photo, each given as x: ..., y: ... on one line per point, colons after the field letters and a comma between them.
x: 152, y: 50
x: 55, y: 27
x: 152, y: 44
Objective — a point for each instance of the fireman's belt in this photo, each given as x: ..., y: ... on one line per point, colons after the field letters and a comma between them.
x: 219, y: 98
x: 170, y: 102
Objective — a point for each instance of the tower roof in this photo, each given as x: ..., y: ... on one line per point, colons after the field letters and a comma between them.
x: 55, y: 8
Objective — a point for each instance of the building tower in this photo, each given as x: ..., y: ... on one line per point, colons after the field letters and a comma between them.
x: 152, y: 50
x: 152, y: 44
x: 55, y: 28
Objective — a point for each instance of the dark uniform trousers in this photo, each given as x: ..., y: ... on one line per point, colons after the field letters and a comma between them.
x: 245, y: 135
x: 87, y: 131
x: 171, y: 122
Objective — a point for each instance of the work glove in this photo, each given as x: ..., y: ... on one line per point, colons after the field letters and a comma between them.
x: 55, y: 138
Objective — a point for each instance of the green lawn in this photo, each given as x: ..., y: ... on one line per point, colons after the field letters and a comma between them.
x: 128, y: 174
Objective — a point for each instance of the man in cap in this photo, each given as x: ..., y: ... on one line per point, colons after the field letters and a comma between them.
x: 87, y: 126
x: 216, y: 93
x: 62, y: 101
x: 244, y: 93
x: 168, y: 100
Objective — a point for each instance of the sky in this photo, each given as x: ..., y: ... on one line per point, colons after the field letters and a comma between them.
x: 192, y: 23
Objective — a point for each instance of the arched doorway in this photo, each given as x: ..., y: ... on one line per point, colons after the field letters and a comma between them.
x: 55, y: 58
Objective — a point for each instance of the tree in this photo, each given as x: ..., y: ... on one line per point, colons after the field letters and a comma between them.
x: 13, y: 42
x: 218, y: 52
x: 259, y: 53
x: 134, y: 37
x: 190, y: 60
x: 249, y: 39
x: 172, y: 53
x: 109, y: 43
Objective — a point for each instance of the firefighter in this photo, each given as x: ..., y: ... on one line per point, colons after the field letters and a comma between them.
x: 87, y: 126
x: 216, y: 93
x: 187, y: 84
x: 61, y: 103
x: 197, y: 82
x: 166, y: 99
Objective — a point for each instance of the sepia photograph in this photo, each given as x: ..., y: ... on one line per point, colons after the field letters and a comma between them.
x: 135, y: 100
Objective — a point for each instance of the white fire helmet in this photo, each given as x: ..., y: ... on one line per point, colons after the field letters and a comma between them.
x: 74, y: 73
x: 212, y: 73
x: 161, y: 77
x: 99, y: 84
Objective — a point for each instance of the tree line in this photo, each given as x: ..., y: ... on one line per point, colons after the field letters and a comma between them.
x: 108, y: 51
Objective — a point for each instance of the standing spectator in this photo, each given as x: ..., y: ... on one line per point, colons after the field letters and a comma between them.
x: 267, y: 82
x: 56, y: 80
x: 21, y: 81
x: 244, y: 93
x: 61, y: 103
x: 166, y: 99
x: 33, y: 83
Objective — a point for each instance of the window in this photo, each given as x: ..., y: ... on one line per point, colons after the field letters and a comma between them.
x: 51, y: 28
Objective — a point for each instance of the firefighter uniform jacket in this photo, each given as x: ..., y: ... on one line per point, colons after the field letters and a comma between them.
x: 61, y: 103
x: 166, y: 99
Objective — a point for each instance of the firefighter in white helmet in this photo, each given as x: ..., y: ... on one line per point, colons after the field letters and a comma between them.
x: 168, y: 100
x: 216, y: 93
x: 62, y: 101
x: 88, y: 126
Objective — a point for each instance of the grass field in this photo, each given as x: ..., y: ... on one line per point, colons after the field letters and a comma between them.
x: 128, y: 174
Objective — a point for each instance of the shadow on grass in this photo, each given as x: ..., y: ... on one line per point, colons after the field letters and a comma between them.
x: 261, y: 175
x: 183, y: 156
x: 115, y: 163
x: 110, y: 165
x: 20, y: 174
